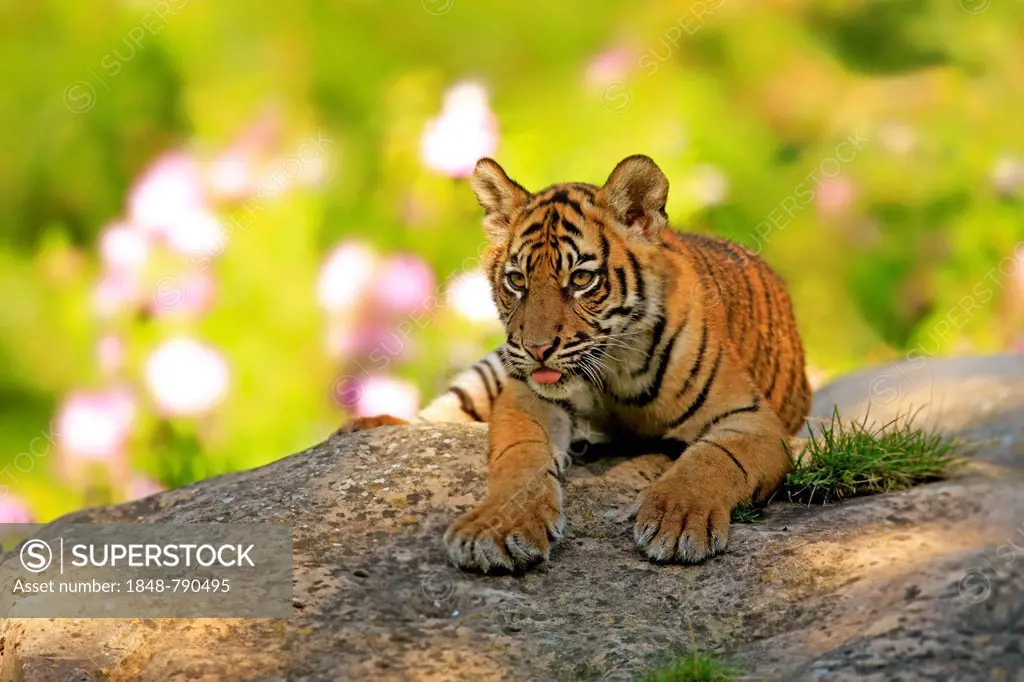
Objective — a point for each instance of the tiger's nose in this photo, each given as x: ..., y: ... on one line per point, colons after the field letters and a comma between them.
x: 542, y: 351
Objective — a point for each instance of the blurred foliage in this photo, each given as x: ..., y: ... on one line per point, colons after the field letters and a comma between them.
x: 744, y: 105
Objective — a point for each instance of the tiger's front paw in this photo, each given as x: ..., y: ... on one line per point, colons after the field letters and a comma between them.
x: 673, y: 524
x: 367, y: 423
x: 507, y: 533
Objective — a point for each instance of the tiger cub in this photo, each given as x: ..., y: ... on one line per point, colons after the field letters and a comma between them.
x: 620, y: 329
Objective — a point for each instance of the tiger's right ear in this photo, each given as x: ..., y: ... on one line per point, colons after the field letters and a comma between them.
x: 636, y: 192
x: 499, y: 195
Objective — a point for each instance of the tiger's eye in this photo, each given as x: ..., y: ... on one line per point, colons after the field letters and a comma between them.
x: 582, y: 278
x: 517, y: 280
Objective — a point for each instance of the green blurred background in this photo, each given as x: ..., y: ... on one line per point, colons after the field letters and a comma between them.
x: 225, y: 225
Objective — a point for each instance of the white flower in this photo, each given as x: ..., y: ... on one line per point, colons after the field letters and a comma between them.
x: 231, y: 175
x: 196, y: 233
x: 186, y: 378
x: 709, y: 185
x: 387, y: 395
x: 168, y: 201
x: 1008, y: 175
x: 345, y: 276
x: 124, y: 248
x: 171, y: 186
x: 470, y: 295
x: 465, y: 131
x: 95, y: 425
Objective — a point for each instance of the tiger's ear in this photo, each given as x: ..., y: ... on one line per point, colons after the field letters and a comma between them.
x: 499, y: 195
x: 635, y: 193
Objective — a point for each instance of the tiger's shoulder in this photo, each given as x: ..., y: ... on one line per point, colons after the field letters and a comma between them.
x: 743, y: 294
x: 735, y: 275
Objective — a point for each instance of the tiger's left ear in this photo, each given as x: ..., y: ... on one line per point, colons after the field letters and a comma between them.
x: 500, y: 196
x: 635, y: 193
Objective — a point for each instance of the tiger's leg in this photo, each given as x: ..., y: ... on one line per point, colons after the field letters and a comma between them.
x: 522, y: 513
x: 469, y: 398
x: 738, y: 454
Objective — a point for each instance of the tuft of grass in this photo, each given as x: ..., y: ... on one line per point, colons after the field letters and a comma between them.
x: 845, y: 459
x: 748, y: 512
x: 696, y: 666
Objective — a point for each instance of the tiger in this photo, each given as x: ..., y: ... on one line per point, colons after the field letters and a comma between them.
x: 621, y: 330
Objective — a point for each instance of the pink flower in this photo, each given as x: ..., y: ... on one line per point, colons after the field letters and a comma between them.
x: 116, y: 292
x: 186, y: 378
x: 404, y: 284
x: 124, y: 248
x: 170, y: 187
x: 346, y: 340
x: 231, y: 175
x: 465, y: 131
x: 189, y: 293
x: 387, y: 395
x: 262, y: 135
x: 470, y: 295
x: 345, y: 276
x: 110, y: 353
x: 142, y: 486
x: 168, y: 201
x: 94, y: 426
x: 608, y: 66
x: 235, y: 172
x: 834, y: 195
x: 13, y: 510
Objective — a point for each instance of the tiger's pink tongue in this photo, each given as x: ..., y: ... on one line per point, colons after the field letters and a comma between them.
x: 546, y: 376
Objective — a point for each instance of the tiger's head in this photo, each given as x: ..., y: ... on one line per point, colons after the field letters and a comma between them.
x: 570, y: 270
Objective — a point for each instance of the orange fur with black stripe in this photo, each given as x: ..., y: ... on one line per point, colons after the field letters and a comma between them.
x: 623, y: 331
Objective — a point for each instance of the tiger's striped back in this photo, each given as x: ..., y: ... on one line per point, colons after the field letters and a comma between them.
x: 761, y: 328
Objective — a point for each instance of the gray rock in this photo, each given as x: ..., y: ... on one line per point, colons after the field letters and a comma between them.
x: 926, y: 584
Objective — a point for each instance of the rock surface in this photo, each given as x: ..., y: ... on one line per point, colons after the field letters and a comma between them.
x: 919, y: 585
